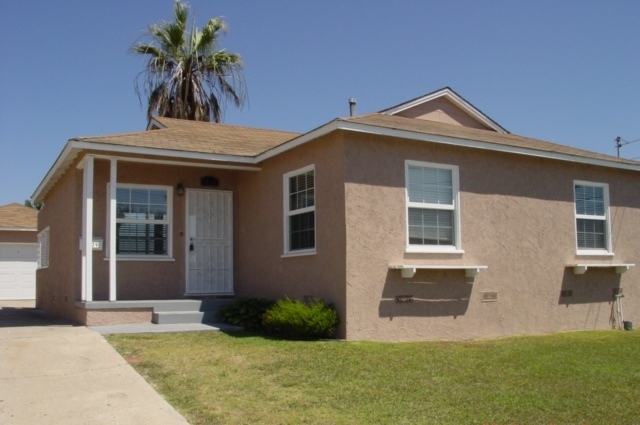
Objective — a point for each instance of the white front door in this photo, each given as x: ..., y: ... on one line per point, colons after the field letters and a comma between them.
x: 209, y: 242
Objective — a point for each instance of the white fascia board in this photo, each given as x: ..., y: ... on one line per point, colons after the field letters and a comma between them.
x: 177, y: 163
x: 162, y: 152
x: 411, y: 135
x: 300, y: 140
x: 20, y: 229
x: 365, y: 128
x: 456, y: 100
x: 62, y: 158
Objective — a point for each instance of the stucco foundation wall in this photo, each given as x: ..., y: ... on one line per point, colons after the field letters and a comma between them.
x: 147, y: 279
x: 261, y: 269
x: 517, y: 218
x: 57, y: 287
x: 22, y: 236
x: 117, y: 316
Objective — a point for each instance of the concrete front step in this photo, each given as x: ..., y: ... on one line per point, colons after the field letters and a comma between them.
x: 188, y: 311
x: 212, y: 304
x: 183, y: 317
x: 179, y: 311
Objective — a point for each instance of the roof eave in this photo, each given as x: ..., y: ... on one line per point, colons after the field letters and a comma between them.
x: 74, y: 147
x: 346, y: 125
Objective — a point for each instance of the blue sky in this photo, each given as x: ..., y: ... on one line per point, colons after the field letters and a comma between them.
x: 565, y: 72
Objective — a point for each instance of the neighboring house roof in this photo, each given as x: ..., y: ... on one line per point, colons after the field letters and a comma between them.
x: 18, y: 217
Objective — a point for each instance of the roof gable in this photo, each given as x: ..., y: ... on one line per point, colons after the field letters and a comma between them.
x: 445, y: 106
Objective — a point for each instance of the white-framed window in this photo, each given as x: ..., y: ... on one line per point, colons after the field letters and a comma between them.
x: 300, y: 211
x: 433, y: 207
x: 43, y: 248
x: 143, y: 221
x: 592, y: 218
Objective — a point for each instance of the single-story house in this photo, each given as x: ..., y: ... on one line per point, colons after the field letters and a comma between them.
x: 18, y: 252
x: 427, y: 220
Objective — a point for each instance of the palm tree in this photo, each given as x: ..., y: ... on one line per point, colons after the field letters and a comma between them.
x: 186, y: 76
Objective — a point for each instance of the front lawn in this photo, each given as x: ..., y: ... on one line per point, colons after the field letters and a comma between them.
x: 241, y: 378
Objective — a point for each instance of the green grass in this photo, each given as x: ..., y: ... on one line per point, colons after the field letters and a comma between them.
x: 241, y: 378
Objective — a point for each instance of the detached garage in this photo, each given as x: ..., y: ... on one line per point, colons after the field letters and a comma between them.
x: 18, y: 252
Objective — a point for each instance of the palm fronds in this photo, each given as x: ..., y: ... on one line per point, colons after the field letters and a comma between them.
x: 186, y: 75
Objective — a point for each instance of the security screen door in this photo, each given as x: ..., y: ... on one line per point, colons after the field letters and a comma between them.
x: 209, y: 242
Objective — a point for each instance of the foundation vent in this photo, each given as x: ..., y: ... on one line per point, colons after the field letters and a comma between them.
x: 566, y: 293
x: 403, y: 299
x: 617, y: 291
x: 490, y: 296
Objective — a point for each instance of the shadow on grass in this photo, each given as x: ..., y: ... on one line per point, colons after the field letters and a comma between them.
x: 270, y: 337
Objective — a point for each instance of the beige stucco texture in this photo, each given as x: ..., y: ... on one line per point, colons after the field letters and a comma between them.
x: 261, y: 268
x: 517, y: 218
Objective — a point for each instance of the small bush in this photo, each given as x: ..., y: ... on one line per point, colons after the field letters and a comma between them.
x: 295, y: 319
x: 246, y: 312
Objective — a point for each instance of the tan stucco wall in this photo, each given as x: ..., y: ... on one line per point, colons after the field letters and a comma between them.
x: 57, y: 287
x: 22, y: 236
x: 516, y: 217
x: 441, y: 110
x: 260, y: 268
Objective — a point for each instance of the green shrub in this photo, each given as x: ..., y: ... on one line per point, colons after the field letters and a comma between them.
x: 246, y: 312
x: 295, y: 319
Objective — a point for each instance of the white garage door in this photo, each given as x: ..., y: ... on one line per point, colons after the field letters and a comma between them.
x: 18, y: 271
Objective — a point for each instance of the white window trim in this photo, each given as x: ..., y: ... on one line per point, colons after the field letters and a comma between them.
x: 455, y: 187
x: 44, y: 248
x: 606, y: 218
x: 168, y: 222
x: 287, y: 213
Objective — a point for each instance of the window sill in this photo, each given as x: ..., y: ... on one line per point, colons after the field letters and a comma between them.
x: 142, y: 259
x: 431, y: 250
x: 582, y: 268
x: 595, y: 252
x: 298, y: 253
x: 409, y: 270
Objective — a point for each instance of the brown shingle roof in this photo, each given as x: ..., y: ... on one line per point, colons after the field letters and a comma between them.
x: 473, y: 134
x: 200, y: 137
x: 18, y: 216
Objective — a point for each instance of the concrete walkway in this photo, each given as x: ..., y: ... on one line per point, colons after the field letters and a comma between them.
x: 54, y: 373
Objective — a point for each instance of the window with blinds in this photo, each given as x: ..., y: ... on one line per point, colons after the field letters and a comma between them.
x: 591, y: 208
x: 300, y: 210
x: 432, y: 212
x: 142, y: 220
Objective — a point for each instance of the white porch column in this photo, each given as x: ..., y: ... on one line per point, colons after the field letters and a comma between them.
x: 87, y: 229
x: 112, y: 229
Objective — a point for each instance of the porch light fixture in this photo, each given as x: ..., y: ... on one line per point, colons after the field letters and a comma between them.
x: 180, y: 189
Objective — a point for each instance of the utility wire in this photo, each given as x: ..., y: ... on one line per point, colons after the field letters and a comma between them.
x: 620, y: 142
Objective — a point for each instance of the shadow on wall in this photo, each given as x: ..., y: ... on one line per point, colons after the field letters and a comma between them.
x: 430, y: 293
x: 596, y: 285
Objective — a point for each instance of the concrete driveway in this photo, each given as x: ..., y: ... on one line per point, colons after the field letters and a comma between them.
x: 54, y: 373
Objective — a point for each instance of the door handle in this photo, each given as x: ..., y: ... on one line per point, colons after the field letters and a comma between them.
x: 191, y: 246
